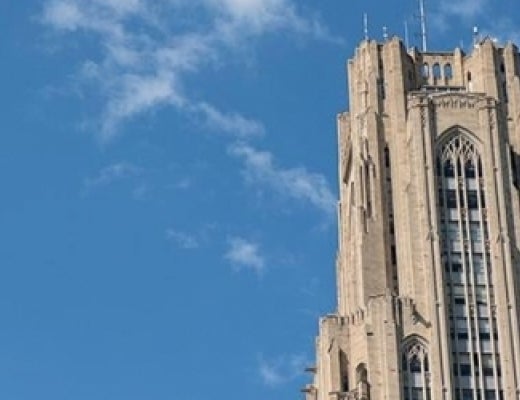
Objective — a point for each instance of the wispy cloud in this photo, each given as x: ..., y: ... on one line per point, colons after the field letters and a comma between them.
x: 503, y: 30
x: 142, y: 69
x: 466, y: 9
x: 281, y: 370
x: 183, y: 183
x: 297, y: 183
x: 232, y: 123
x: 111, y: 173
x: 449, y: 11
x: 243, y: 253
x: 182, y: 239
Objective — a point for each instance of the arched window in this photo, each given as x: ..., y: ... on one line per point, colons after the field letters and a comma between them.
x: 415, y: 368
x: 467, y: 266
x: 363, y: 388
x: 343, y: 367
x: 425, y: 70
x: 448, y: 71
x: 436, y: 71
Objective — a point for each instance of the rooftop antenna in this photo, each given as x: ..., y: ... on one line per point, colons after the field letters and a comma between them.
x: 406, y: 38
x: 365, y: 25
x: 423, y: 25
x: 475, y: 36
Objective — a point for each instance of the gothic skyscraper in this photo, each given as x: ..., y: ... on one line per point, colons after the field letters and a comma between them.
x: 428, y: 266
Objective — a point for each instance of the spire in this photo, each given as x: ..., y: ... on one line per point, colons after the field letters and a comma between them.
x: 365, y: 26
x: 422, y: 14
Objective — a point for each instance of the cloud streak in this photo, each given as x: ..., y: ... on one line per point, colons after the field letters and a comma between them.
x: 182, y: 239
x: 281, y: 370
x: 137, y: 71
x: 110, y: 174
x: 244, y: 254
x: 296, y: 183
x: 141, y: 70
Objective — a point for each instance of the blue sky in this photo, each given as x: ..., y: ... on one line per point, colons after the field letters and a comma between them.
x: 169, y: 171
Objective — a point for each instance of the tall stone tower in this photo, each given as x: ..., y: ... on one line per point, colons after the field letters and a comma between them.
x: 428, y: 267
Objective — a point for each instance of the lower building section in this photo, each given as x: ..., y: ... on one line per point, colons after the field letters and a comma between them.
x: 387, y: 352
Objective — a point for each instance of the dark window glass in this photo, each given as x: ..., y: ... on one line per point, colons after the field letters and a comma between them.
x: 457, y: 267
x: 436, y: 70
x: 469, y: 170
x: 455, y: 370
x: 417, y: 394
x: 449, y: 171
x: 451, y: 198
x: 489, y: 394
x: 415, y: 365
x: 448, y: 71
x: 472, y: 199
x: 465, y: 369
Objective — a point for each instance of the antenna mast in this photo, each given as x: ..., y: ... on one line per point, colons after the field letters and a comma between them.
x: 406, y: 38
x: 365, y: 25
x: 423, y: 24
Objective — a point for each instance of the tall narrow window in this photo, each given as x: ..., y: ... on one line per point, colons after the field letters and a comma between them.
x: 467, y: 269
x: 448, y: 72
x: 436, y: 71
x: 425, y: 71
x: 415, y: 371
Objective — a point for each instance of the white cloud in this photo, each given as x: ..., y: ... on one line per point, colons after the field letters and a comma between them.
x: 63, y: 15
x: 245, y: 254
x: 281, y: 370
x: 259, y: 16
x: 135, y: 94
x: 182, y: 239
x: 463, y: 10
x: 140, y: 70
x: 232, y: 123
x: 297, y: 183
x: 111, y: 173
x: 466, y: 9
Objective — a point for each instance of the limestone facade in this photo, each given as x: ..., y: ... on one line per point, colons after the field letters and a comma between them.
x: 428, y: 265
